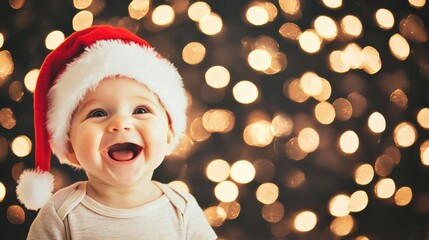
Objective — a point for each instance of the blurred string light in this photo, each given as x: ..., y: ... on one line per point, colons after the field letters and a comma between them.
x: 328, y: 100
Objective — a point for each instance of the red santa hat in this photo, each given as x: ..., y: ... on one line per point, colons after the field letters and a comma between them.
x: 76, y: 66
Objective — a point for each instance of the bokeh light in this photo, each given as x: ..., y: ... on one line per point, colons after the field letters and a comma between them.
x: 242, y: 171
x: 54, y: 39
x: 245, y: 92
x: 305, y: 221
x: 21, y: 146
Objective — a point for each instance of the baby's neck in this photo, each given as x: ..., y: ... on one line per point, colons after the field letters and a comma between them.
x: 123, y: 197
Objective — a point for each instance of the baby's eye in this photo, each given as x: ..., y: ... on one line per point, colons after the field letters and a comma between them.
x: 141, y: 110
x: 97, y: 113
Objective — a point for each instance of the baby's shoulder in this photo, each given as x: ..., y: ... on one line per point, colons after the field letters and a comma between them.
x: 61, y: 196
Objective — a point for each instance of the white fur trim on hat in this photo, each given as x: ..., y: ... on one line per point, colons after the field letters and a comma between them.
x: 107, y: 58
x: 34, y: 188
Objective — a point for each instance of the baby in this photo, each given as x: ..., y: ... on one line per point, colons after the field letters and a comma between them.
x: 107, y: 103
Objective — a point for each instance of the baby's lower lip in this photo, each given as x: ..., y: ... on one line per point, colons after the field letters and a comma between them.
x: 120, y: 161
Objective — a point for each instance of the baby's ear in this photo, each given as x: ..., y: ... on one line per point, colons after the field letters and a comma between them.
x: 170, y: 136
x: 71, y: 156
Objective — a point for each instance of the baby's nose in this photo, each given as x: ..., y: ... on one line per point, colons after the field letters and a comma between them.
x: 119, y: 124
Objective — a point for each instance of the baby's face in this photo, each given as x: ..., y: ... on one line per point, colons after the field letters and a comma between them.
x: 120, y: 133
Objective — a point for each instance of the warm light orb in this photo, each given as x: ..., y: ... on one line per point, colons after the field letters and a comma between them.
x: 371, y: 62
x: 210, y: 24
x: 333, y: 4
x: 309, y: 41
x: 281, y: 125
x: 259, y: 59
x: 81, y: 4
x: 305, y: 221
x: 417, y: 3
x: 385, y: 188
x: 349, y: 142
x: 351, y: 25
x: 424, y: 153
x: 257, y: 15
x: 21, y: 146
x: 193, y: 53
x: 163, y: 15
x: 336, y: 62
x: 358, y: 201
x: 325, y: 94
x: 82, y: 20
x: 54, y: 39
x: 324, y: 113
x: 404, y: 134
x: 217, y: 77
x: 342, y: 226
x: 226, y: 191
x: 1, y: 40
x: 245, y: 92
x: 2, y: 192
x: 198, y: 10
x: 423, y: 118
x: 290, y: 7
x: 258, y: 134
x: 352, y: 56
x: 399, y: 47
x: 339, y: 205
x: 377, y: 122
x: 137, y: 9
x: 384, y: 18
x: 308, y: 139
x: 242, y: 171
x: 218, y: 170
x: 30, y: 79
x: 311, y: 83
x: 267, y: 193
x: 364, y: 174
x: 403, y: 196
x: 215, y: 215
x: 326, y: 27
x: 218, y: 120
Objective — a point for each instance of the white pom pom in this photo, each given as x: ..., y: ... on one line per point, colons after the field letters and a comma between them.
x: 34, y: 188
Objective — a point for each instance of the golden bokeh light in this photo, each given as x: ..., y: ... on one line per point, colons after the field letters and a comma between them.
x: 257, y: 15
x: 218, y: 120
x: 30, y: 79
x: 16, y: 92
x: 292, y: 89
x: 281, y: 125
x: 218, y: 170
x: 343, y: 109
x: 7, y: 119
x: 215, y: 215
x: 385, y: 188
x: 404, y: 134
x: 232, y: 209
x: 179, y: 184
x: 394, y: 153
x: 54, y: 39
x: 242, y: 171
x: 417, y: 3
x: 413, y: 29
x: 82, y: 20
x: 324, y: 113
x: 290, y: 31
x: 21, y: 146
x: 311, y: 83
x: 245, y: 92
x: 1, y: 40
x: 325, y: 94
x: 15, y: 214
x: 210, y: 24
x: 197, y: 131
x: 377, y: 122
x: 193, y: 53
x: 305, y: 221
x: 342, y: 226
x: 81, y: 4
x: 163, y: 15
x: 226, y: 191
x: 403, y: 196
x: 384, y: 18
x: 351, y: 25
x: 293, y: 150
x: 16, y: 4
x: 137, y: 9
x: 352, y: 55
x: 349, y: 142
x: 358, y: 201
x: 217, y: 77
x: 2, y: 192
x: 326, y: 27
x: 198, y: 10
x: 290, y: 7
x: 295, y: 179
x: 6, y: 66
x: 364, y: 174
x: 336, y: 63
x: 424, y: 153
x: 278, y: 63
x: 258, y: 134
x: 259, y: 59
x: 333, y: 4
x: 399, y: 47
x: 423, y: 118
x: 339, y: 205
x: 267, y: 193
x: 399, y: 99
x: 308, y: 139
x: 310, y: 41
x: 371, y: 62
x: 384, y: 165
x: 273, y: 212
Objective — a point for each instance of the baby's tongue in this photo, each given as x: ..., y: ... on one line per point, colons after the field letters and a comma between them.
x: 122, y: 155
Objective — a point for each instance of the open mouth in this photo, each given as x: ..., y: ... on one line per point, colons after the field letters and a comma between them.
x: 124, y: 151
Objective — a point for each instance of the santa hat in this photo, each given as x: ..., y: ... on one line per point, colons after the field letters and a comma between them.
x: 76, y: 66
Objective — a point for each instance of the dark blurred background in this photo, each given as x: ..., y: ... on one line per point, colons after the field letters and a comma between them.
x: 308, y: 119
